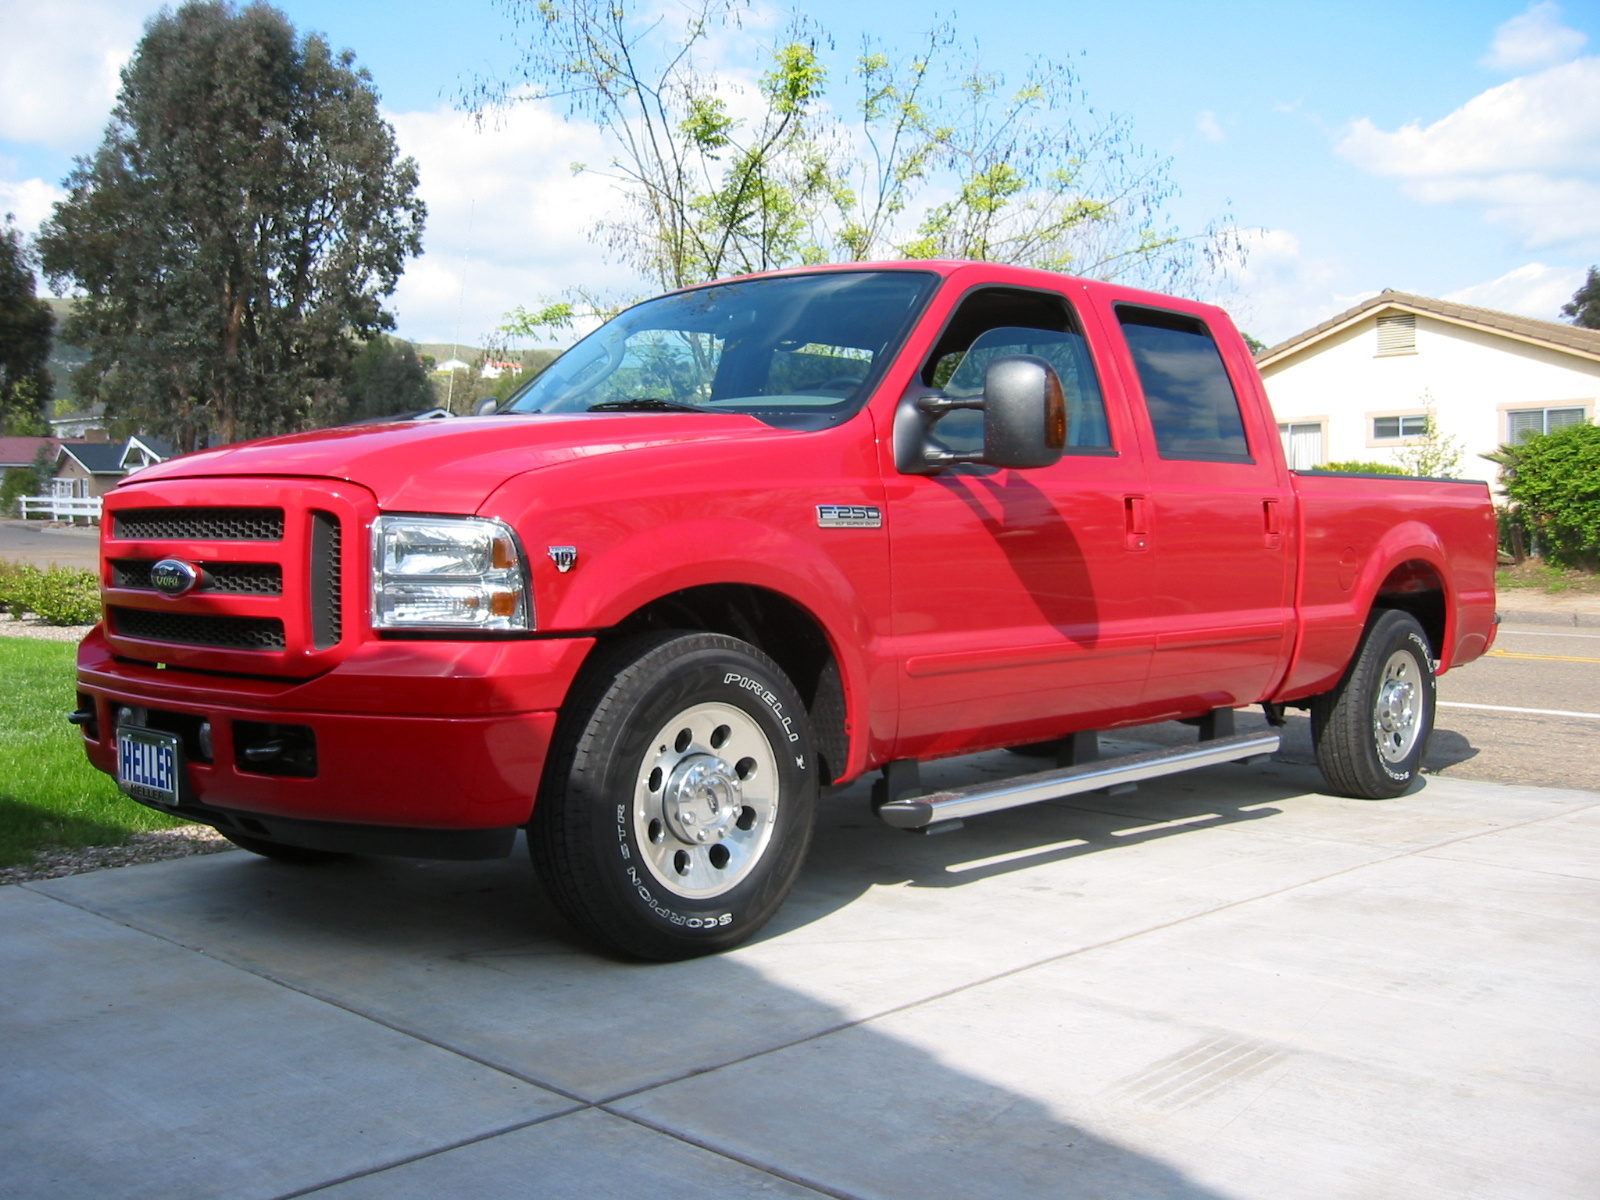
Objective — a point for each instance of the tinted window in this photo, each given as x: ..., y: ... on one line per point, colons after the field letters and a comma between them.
x: 800, y: 351
x: 994, y: 323
x: 1191, y: 401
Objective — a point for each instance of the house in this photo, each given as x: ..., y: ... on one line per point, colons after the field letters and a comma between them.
x: 452, y: 364
x: 494, y: 368
x: 93, y: 468
x: 22, y: 451
x: 1359, y: 386
x: 79, y: 424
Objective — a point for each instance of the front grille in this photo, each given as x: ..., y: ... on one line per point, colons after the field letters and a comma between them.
x: 201, y: 524
x: 325, y: 573
x: 250, y: 579
x: 195, y: 629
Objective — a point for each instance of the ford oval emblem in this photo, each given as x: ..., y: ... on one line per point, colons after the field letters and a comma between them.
x: 173, y: 577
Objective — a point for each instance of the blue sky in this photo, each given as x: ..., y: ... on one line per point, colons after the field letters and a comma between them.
x: 1448, y: 149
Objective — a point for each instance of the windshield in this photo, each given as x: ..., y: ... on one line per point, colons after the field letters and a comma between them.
x: 798, y: 351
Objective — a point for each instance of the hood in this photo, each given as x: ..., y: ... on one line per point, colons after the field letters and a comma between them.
x: 452, y: 465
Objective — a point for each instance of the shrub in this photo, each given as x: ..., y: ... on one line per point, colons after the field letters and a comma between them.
x: 60, y: 595
x: 1553, y: 482
x: 1365, y: 468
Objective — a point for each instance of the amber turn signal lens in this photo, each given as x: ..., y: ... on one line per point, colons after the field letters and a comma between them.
x: 1055, y: 413
x: 504, y: 554
x: 503, y: 604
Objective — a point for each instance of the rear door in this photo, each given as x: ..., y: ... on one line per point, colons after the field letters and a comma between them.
x: 1220, y: 531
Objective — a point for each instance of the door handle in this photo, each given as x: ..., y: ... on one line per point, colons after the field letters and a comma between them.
x: 1272, y: 523
x: 1136, y: 522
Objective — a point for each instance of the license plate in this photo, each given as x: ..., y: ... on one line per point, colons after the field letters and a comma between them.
x: 148, y: 762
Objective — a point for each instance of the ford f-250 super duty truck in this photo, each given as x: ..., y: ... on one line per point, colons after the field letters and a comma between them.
x: 752, y: 538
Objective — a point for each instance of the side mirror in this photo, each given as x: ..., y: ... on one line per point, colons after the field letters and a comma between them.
x: 486, y: 406
x: 1024, y: 420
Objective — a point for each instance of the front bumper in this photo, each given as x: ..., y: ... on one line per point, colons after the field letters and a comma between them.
x: 408, y: 735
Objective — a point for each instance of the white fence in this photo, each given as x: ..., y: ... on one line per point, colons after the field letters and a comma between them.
x: 61, y: 508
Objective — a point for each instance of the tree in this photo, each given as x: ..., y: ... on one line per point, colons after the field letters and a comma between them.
x: 387, y: 378
x: 236, y: 232
x: 1435, y: 453
x: 1585, y: 307
x: 1553, y: 482
x: 26, y: 327
x: 936, y: 157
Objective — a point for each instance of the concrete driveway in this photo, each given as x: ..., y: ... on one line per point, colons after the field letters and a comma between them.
x: 1224, y: 985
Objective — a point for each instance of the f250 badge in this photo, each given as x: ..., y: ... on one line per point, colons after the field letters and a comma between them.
x: 849, y: 516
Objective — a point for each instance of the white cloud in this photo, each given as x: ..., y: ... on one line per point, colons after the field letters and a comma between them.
x: 1279, y: 291
x: 1534, y: 290
x: 506, y: 217
x: 1206, y: 123
x: 30, y: 200
x: 59, y: 65
x: 1527, y: 151
x: 1534, y: 39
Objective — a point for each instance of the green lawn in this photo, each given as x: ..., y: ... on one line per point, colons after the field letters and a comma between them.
x: 49, y: 794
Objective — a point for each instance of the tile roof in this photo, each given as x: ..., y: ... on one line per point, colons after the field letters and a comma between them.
x: 19, y: 451
x: 1551, y: 333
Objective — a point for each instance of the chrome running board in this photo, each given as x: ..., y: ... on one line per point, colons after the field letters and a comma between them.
x: 922, y: 812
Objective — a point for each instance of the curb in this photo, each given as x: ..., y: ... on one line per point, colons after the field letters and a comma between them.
x: 1523, y: 616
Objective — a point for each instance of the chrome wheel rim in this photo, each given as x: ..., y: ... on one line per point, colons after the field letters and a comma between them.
x: 1397, y: 715
x: 705, y: 801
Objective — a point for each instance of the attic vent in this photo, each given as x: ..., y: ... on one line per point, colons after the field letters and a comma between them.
x: 1397, y: 334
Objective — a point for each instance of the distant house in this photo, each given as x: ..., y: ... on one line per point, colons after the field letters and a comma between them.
x: 494, y: 368
x: 1358, y: 386
x: 452, y: 364
x: 94, y: 468
x: 78, y: 425
x: 22, y: 451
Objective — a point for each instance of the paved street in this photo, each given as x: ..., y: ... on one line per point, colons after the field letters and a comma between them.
x: 31, y: 542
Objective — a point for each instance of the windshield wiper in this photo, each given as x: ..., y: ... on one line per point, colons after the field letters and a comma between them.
x: 645, y: 404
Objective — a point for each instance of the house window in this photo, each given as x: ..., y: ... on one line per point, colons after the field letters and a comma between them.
x: 1397, y: 334
x: 1523, y: 423
x: 1399, y: 427
x: 1302, y: 444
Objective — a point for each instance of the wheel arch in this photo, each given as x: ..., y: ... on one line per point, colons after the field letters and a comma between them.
x: 783, y: 629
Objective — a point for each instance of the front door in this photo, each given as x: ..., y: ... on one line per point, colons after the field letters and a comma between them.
x: 1018, y: 594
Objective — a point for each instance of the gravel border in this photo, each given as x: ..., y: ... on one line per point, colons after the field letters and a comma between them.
x: 31, y: 626
x: 141, y: 848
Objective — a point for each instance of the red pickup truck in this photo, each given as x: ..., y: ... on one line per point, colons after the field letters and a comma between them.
x: 754, y: 538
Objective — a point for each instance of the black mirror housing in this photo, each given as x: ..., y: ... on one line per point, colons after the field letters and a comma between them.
x: 1024, y: 413
x: 1024, y: 420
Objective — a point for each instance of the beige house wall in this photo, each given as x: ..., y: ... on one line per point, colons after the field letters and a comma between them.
x: 1475, y: 377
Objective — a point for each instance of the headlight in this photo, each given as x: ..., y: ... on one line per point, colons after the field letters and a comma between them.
x: 448, y: 573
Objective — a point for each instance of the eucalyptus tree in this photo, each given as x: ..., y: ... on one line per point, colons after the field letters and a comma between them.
x: 26, y: 325
x: 235, y: 235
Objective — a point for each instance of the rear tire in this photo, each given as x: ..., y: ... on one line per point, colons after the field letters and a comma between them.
x: 280, y: 852
x: 678, y: 802
x: 1372, y: 731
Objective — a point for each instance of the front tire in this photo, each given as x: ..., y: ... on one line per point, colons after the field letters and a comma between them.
x: 679, y: 799
x: 1371, y: 731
